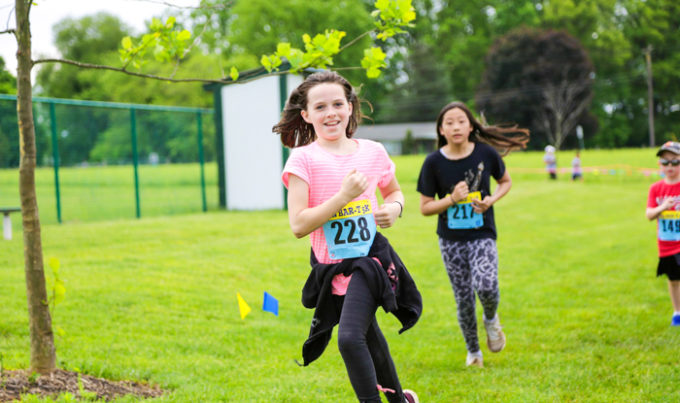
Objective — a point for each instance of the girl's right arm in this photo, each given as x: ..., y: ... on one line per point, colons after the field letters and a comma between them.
x: 303, y: 219
x: 430, y: 206
x: 653, y: 213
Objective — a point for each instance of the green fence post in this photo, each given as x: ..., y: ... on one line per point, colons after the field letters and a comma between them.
x: 135, y: 160
x: 283, y: 96
x: 55, y: 157
x: 219, y: 147
x: 199, y: 122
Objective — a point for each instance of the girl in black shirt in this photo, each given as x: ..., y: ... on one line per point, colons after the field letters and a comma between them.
x: 454, y: 184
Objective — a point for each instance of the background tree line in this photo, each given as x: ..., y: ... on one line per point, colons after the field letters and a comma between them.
x: 549, y: 66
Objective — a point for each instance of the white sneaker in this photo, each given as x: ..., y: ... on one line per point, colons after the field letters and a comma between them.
x: 495, y: 338
x: 474, y: 359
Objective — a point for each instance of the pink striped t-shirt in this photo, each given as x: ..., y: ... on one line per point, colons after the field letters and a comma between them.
x: 324, y: 171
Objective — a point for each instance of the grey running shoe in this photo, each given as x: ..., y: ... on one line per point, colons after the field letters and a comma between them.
x: 495, y: 338
x: 474, y: 360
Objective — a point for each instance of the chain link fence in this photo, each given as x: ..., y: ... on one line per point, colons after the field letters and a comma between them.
x: 102, y: 160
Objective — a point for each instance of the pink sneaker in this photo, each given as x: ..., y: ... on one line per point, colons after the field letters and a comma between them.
x: 410, y: 396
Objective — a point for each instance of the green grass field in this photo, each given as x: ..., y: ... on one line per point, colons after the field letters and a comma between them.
x: 99, y: 193
x: 155, y: 299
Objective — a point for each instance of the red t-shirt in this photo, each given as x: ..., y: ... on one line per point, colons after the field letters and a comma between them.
x: 657, y: 193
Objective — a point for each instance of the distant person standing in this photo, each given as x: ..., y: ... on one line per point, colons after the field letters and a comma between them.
x: 576, y: 171
x: 663, y: 205
x: 550, y: 162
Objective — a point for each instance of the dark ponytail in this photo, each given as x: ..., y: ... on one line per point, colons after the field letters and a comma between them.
x: 503, y: 139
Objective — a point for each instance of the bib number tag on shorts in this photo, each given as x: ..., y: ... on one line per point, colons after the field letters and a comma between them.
x: 669, y: 226
x: 350, y: 232
x: 462, y: 215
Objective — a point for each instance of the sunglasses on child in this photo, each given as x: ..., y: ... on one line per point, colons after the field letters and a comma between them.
x: 665, y: 163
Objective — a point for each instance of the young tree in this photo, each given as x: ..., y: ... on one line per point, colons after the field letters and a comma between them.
x: 43, y: 357
x: 167, y: 44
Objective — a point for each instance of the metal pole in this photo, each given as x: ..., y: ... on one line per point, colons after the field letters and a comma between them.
x: 283, y: 96
x: 55, y: 158
x: 579, y: 135
x: 650, y: 95
x: 201, y: 159
x: 135, y: 160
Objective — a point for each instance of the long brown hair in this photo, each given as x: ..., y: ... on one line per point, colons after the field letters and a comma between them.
x: 294, y: 131
x: 503, y: 139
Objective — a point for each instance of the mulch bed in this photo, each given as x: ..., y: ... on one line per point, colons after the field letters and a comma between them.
x: 13, y: 384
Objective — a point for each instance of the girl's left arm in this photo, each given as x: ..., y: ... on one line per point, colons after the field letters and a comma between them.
x: 504, y: 185
x: 388, y: 213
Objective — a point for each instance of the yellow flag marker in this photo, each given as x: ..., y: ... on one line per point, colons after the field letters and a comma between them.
x: 243, y: 307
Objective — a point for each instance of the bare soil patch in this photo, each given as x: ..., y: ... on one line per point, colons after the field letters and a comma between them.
x: 15, y: 383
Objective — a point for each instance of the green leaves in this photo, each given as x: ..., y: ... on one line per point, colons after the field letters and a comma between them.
x: 233, y: 73
x: 169, y: 44
x: 164, y: 41
x: 127, y: 43
x: 58, y: 289
x: 319, y: 51
x: 270, y: 62
x: 373, y: 61
x: 393, y: 15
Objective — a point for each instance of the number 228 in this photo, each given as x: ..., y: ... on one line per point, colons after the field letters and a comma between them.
x: 364, y: 232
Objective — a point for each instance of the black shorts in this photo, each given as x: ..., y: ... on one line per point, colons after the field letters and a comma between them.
x: 670, y: 266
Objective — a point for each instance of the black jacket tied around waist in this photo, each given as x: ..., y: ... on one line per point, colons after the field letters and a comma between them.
x: 391, y: 284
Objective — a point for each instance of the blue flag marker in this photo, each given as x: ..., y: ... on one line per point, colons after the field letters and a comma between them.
x: 270, y: 304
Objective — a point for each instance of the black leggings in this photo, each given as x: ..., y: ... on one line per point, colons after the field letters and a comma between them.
x: 363, y: 346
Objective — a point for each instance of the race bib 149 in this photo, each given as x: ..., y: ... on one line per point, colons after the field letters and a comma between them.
x: 669, y: 226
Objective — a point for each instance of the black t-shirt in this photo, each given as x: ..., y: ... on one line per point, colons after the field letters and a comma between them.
x: 439, y: 176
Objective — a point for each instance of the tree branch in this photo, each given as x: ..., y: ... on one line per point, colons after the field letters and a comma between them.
x: 168, y: 4
x: 8, y: 31
x: 347, y: 68
x: 123, y: 70
x: 9, y: 17
x: 355, y: 40
x: 150, y: 76
x: 564, y: 104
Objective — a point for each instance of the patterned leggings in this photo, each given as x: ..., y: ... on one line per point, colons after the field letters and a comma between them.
x: 472, y: 267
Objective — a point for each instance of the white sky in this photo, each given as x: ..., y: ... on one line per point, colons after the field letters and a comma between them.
x: 46, y: 13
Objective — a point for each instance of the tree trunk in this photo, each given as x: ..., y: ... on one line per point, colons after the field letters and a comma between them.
x: 564, y: 104
x: 43, y: 356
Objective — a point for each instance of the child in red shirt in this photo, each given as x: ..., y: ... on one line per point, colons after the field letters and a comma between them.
x: 663, y: 204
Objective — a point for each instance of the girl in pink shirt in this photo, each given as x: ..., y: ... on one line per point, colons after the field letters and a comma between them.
x: 332, y: 180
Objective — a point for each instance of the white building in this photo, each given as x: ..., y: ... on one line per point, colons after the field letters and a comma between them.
x: 393, y: 136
